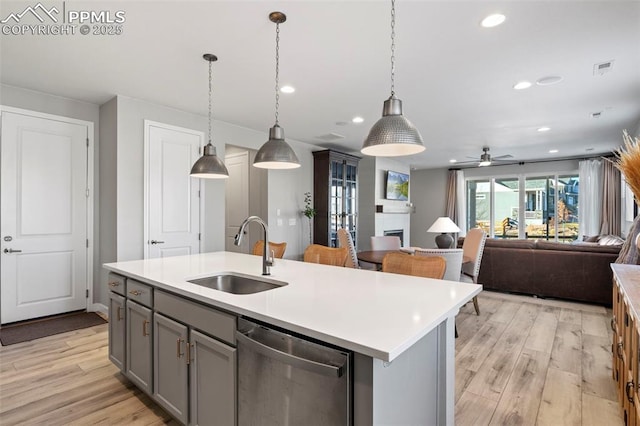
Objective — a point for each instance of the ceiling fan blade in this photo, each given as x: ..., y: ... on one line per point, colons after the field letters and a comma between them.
x: 502, y: 157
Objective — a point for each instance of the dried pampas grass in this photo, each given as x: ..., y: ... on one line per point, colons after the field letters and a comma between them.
x: 628, y: 162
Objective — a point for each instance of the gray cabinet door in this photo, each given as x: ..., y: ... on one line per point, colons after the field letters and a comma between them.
x: 213, y: 381
x: 117, y: 330
x: 139, y: 348
x: 170, y: 369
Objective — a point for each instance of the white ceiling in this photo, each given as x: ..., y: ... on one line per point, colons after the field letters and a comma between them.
x: 454, y: 77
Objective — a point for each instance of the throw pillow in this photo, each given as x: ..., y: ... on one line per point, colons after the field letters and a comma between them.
x: 592, y: 239
x: 610, y: 240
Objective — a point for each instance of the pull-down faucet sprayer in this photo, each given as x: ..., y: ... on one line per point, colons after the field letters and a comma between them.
x: 267, y: 261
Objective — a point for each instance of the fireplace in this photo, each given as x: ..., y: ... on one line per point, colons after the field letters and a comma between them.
x: 396, y: 233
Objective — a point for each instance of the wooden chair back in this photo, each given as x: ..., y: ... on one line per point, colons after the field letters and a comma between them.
x: 317, y: 253
x: 419, y: 266
x: 277, y: 248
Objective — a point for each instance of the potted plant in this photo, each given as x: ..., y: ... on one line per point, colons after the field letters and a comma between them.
x: 309, y: 212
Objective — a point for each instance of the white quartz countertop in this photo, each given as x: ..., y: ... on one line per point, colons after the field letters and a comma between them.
x: 374, y: 313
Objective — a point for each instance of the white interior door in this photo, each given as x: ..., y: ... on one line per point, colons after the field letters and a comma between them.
x: 172, y: 208
x: 237, y: 200
x: 44, y: 216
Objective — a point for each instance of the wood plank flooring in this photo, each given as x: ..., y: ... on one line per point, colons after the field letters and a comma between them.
x: 528, y: 361
x: 522, y: 361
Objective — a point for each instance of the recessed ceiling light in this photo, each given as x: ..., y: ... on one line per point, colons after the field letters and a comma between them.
x: 357, y: 120
x: 522, y: 85
x: 544, y: 129
x: 493, y: 20
x: 453, y: 160
x: 553, y: 151
x: 287, y: 89
x: 549, y: 80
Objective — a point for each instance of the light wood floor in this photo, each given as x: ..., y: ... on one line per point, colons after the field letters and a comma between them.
x: 532, y: 361
x: 522, y: 361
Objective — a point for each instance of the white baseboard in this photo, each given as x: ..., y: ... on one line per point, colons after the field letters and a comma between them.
x: 99, y: 307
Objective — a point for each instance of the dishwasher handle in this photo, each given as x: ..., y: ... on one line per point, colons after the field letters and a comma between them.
x: 290, y: 359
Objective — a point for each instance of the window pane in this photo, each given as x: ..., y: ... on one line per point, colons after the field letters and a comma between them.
x: 505, y: 209
x: 567, y: 216
x: 539, y: 207
x: 478, y: 204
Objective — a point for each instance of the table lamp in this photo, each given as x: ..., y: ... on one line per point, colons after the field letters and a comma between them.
x: 444, y: 225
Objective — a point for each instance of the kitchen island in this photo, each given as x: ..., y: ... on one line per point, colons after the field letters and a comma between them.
x: 399, y: 328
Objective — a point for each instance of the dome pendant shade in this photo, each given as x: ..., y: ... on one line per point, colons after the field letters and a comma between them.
x: 209, y: 166
x: 276, y: 152
x: 393, y: 135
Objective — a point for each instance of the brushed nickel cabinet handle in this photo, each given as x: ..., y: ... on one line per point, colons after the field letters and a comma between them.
x: 145, y: 332
x: 114, y: 284
x: 620, y: 348
x: 189, y: 345
x: 628, y: 388
x: 119, y: 310
x: 178, y: 344
x: 135, y: 292
x: 613, y: 323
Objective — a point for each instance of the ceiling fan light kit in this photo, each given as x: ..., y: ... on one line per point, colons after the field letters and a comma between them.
x: 276, y: 152
x: 393, y: 135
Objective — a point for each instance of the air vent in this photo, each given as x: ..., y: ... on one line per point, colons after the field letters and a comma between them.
x: 596, y: 114
x: 330, y: 137
x: 602, y: 68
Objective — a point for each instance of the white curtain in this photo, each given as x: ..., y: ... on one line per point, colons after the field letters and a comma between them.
x: 590, y: 200
x: 461, y: 203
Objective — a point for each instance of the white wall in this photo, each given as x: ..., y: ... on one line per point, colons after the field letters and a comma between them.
x: 286, y: 187
x: 371, y: 192
x: 428, y: 195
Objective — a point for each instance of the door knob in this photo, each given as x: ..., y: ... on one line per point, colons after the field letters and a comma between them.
x: 8, y: 250
x: 157, y: 242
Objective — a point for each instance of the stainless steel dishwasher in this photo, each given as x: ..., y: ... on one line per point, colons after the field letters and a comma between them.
x: 287, y: 380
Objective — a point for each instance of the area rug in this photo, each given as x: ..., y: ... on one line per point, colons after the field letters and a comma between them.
x: 31, y: 330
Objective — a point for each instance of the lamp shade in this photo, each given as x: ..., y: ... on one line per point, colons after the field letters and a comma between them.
x: 392, y: 135
x: 209, y: 166
x: 276, y: 152
x: 443, y: 224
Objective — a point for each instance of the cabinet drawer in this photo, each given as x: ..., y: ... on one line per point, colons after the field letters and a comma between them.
x: 117, y: 283
x: 208, y: 320
x: 141, y: 293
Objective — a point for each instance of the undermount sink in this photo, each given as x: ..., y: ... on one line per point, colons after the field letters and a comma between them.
x: 232, y: 282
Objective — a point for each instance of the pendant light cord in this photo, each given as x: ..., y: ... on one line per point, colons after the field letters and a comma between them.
x: 210, y: 90
x: 393, y: 47
x: 277, y: 70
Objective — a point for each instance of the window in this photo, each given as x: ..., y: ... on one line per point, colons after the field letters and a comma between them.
x: 548, y: 210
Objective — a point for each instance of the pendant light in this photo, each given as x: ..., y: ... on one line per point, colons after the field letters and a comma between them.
x: 209, y: 166
x: 393, y: 135
x: 276, y: 152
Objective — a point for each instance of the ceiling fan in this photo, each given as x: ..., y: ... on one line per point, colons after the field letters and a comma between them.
x: 486, y: 159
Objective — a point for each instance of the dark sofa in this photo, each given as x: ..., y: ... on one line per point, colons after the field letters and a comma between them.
x: 579, y: 272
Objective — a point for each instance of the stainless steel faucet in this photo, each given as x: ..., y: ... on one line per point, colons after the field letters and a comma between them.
x: 267, y: 261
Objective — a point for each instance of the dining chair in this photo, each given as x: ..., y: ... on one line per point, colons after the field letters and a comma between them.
x: 316, y: 253
x: 452, y: 257
x: 472, y: 249
x: 419, y: 266
x: 345, y: 240
x: 277, y: 248
x: 386, y: 242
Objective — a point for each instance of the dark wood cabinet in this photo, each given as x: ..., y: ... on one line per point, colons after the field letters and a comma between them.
x: 335, y: 189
